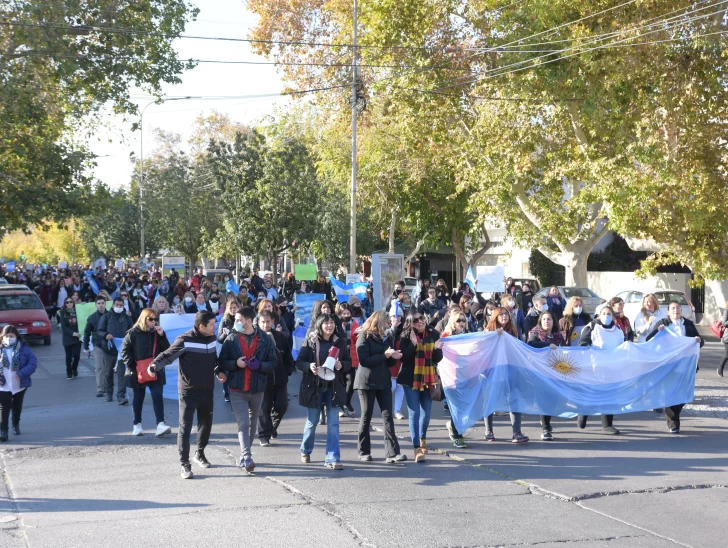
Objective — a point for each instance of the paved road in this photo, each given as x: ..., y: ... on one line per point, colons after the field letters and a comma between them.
x: 76, y: 477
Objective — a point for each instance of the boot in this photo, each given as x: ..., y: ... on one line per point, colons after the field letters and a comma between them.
x: 3, y: 434
x: 423, y: 446
x: 16, y: 429
x: 419, y: 455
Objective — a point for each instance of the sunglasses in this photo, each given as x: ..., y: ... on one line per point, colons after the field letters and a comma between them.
x: 461, y: 320
x: 69, y: 302
x: 418, y: 319
x: 152, y: 320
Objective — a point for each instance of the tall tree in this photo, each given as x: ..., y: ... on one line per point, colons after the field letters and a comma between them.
x: 60, y: 64
x: 270, y: 192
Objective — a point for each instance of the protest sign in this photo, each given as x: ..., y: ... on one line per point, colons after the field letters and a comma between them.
x: 306, y: 272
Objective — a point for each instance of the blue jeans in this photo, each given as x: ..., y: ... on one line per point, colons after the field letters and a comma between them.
x: 419, y: 409
x: 333, y: 454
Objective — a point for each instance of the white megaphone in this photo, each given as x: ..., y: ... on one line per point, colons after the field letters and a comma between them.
x: 326, y: 371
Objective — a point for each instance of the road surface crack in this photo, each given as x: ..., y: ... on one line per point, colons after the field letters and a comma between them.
x: 13, y: 501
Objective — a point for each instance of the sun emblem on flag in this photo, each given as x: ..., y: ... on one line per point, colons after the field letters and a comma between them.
x: 574, y: 335
x: 564, y: 365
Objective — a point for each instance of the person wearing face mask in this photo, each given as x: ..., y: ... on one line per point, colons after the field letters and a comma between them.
x: 114, y: 324
x: 525, y: 299
x: 226, y: 326
x: 350, y: 326
x: 602, y: 333
x: 509, y: 303
x: 681, y: 327
x: 531, y: 319
x: 200, y: 304
x: 431, y: 307
x: 247, y: 357
x: 555, y: 302
x: 620, y: 319
x: 18, y: 364
x: 573, y: 321
x: 214, y: 304
x: 405, y: 302
x: 128, y: 304
x: 90, y: 334
x: 275, y: 399
x: 71, y: 338
x: 139, y: 296
x: 285, y: 316
x: 270, y: 291
x: 304, y: 287
x: 443, y: 293
x: 278, y: 325
x: 545, y: 334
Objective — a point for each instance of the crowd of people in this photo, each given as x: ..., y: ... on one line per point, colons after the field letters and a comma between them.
x: 243, y: 337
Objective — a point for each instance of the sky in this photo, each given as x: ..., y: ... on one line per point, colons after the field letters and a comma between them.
x: 223, y: 18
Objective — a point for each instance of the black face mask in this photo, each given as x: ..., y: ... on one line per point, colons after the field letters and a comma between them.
x: 283, y: 309
x: 214, y: 299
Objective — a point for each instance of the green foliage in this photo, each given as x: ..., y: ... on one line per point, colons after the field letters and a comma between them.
x: 59, y: 67
x: 546, y: 271
x: 269, y: 191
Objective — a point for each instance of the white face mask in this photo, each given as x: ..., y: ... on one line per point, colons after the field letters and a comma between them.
x: 607, y: 320
x: 577, y: 310
x: 118, y: 309
x: 238, y: 327
x: 215, y: 306
x: 9, y: 341
x: 544, y: 307
x: 188, y: 300
x: 511, y: 303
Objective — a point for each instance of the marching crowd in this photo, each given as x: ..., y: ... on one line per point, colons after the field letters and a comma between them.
x: 243, y: 338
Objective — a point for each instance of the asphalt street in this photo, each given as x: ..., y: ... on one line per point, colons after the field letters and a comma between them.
x: 77, y: 477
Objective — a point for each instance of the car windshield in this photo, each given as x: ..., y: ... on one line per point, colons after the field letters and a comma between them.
x: 20, y: 302
x: 579, y: 292
x: 667, y: 298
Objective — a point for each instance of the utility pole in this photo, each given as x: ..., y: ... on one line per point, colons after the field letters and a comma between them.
x: 354, y: 98
x: 141, y: 167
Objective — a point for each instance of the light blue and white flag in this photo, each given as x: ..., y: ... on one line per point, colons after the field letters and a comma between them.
x: 470, y: 279
x: 486, y: 372
x: 304, y: 306
x: 10, y: 267
x: 344, y: 291
x: 232, y: 287
x: 415, y: 293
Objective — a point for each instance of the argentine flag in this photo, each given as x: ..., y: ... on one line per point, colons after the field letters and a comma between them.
x: 343, y: 291
x: 470, y: 279
x: 485, y: 372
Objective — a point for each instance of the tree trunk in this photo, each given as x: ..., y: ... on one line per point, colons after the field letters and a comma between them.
x: 574, y: 262
x: 273, y: 257
x: 391, y: 232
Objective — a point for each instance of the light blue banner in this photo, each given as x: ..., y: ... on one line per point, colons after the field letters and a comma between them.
x: 486, y: 372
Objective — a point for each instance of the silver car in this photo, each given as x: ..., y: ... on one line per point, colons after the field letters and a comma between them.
x: 633, y: 302
x: 590, y: 299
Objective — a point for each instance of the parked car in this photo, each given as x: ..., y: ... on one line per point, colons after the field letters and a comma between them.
x: 633, y: 300
x: 532, y: 283
x: 3, y: 281
x: 590, y: 299
x: 22, y: 308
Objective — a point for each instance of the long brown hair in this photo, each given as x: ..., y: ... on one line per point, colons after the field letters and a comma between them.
x: 376, y: 324
x: 493, y: 323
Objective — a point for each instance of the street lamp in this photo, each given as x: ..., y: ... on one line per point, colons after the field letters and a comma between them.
x: 141, y: 165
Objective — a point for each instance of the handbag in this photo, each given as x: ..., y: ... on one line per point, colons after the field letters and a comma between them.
x: 142, y: 366
x: 436, y: 392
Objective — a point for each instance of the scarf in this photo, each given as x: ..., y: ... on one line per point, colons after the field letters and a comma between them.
x: 15, y: 357
x: 248, y: 354
x: 425, y: 374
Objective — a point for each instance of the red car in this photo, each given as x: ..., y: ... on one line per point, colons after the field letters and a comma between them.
x: 20, y: 307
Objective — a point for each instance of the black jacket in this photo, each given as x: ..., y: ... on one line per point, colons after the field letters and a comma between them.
x: 531, y: 320
x: 265, y: 353
x: 284, y: 360
x: 311, y: 385
x: 407, y: 372
x: 68, y: 328
x: 197, y: 356
x: 138, y: 345
x: 373, y: 371
x: 690, y: 329
x: 91, y: 331
x: 114, y: 324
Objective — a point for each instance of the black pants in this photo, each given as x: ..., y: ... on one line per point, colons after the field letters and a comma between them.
x: 672, y: 414
x: 350, y: 376
x: 140, y: 391
x: 724, y: 359
x: 545, y: 422
x: 226, y: 390
x: 607, y: 420
x: 272, y: 410
x: 189, y: 402
x: 73, y: 354
x: 366, y: 401
x: 8, y: 402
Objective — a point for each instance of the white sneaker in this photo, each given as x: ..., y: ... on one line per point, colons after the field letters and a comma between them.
x: 138, y: 430
x: 399, y: 416
x: 163, y: 429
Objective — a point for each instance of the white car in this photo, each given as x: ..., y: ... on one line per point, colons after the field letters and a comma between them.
x: 633, y: 301
x: 590, y: 299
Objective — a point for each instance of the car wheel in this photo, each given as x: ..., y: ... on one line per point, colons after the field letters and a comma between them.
x: 46, y: 341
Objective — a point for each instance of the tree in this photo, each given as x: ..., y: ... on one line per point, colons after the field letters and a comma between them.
x: 179, y: 200
x: 571, y: 125
x: 61, y: 63
x: 270, y: 192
